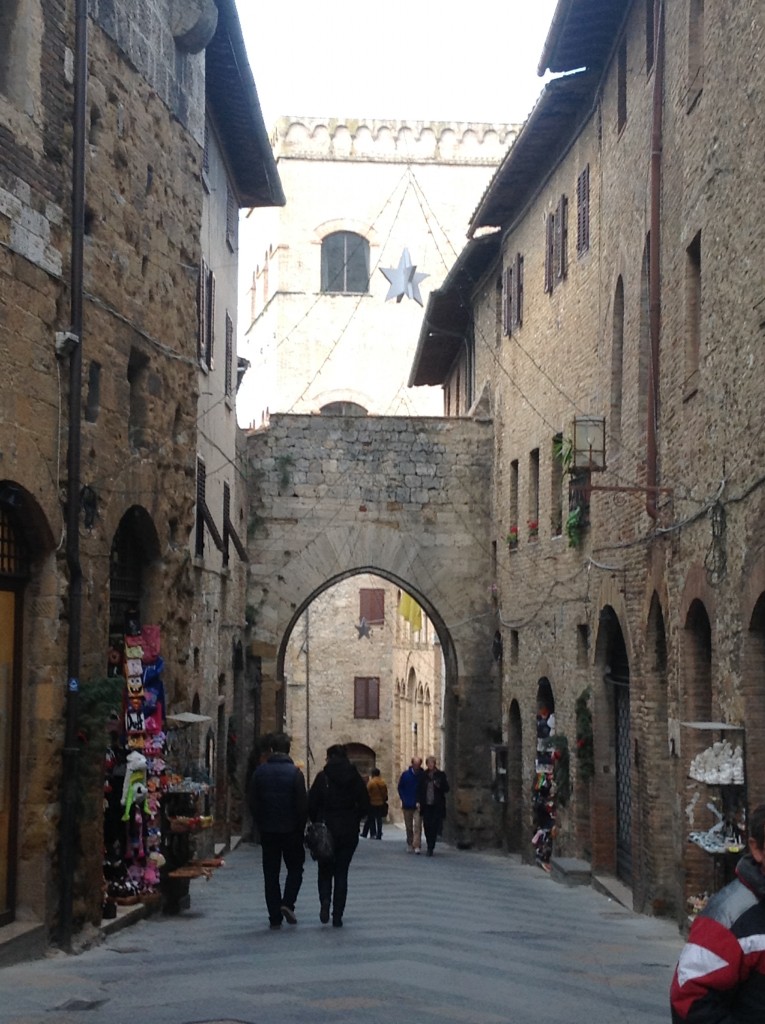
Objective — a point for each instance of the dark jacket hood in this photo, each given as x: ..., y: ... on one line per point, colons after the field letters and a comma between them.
x: 340, y: 770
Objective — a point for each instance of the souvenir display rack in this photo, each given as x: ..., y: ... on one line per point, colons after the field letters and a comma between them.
x: 543, y: 790
x: 720, y: 771
x: 151, y: 812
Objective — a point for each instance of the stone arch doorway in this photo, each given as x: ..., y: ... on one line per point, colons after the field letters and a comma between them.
x: 363, y: 666
x: 409, y: 698
x: 14, y: 573
x: 514, y: 832
x: 697, y: 705
x: 613, y: 832
x: 543, y: 800
x: 333, y: 497
x: 25, y: 542
x: 656, y: 887
x: 753, y: 690
x: 363, y: 757
x: 135, y: 551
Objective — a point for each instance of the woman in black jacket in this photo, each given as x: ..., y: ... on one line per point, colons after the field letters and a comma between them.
x: 338, y: 797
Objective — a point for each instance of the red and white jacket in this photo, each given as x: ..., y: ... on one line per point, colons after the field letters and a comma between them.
x: 720, y: 976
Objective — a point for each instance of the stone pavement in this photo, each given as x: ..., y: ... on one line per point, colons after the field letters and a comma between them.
x: 463, y: 937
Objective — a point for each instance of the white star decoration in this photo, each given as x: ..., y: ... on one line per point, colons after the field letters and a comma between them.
x: 404, y: 280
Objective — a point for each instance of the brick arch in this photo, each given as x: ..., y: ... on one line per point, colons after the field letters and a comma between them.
x: 516, y: 836
x: 404, y: 500
x: 612, y: 637
x: 753, y: 693
x: 656, y: 883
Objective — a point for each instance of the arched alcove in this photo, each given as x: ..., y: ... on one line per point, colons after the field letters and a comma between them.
x: 753, y: 692
x: 514, y: 831
x: 612, y: 837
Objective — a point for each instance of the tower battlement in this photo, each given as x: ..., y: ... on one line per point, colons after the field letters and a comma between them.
x: 391, y: 141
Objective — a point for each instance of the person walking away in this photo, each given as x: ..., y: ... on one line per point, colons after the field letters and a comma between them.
x: 407, y: 791
x: 720, y: 976
x: 378, y: 805
x: 279, y: 807
x: 339, y: 798
x: 432, y: 788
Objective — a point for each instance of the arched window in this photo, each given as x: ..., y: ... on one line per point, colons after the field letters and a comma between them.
x: 345, y: 263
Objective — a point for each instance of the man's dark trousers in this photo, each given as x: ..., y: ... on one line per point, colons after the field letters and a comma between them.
x: 274, y: 847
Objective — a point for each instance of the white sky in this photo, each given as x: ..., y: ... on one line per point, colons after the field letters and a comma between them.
x: 421, y: 61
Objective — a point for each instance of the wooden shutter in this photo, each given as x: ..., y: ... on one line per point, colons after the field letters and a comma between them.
x: 561, y: 239
x: 518, y: 290
x: 583, y: 211
x: 366, y: 697
x: 229, y: 354
x: 359, y: 697
x: 507, y: 288
x: 210, y: 338
x: 373, y: 698
x: 372, y: 606
x: 202, y: 312
x: 549, y: 245
x: 199, y: 546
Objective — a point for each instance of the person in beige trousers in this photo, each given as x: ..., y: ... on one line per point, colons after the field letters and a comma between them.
x: 408, y: 785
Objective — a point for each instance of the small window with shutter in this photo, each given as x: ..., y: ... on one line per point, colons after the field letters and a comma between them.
x: 366, y: 697
x: 549, y: 251
x: 232, y: 219
x: 206, y: 317
x: 507, y: 301
x: 561, y: 239
x: 583, y: 212
x: 372, y: 606
x: 229, y: 369
x: 517, y: 293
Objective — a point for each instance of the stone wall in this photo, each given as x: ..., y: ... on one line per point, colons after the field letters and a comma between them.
x: 398, y: 185
x: 683, y: 590
x: 138, y: 390
x: 405, y: 499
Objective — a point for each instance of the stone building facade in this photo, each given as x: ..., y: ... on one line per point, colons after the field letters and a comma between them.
x: 397, y: 503
x: 133, y: 371
x: 378, y: 188
x: 316, y: 343
x: 612, y: 286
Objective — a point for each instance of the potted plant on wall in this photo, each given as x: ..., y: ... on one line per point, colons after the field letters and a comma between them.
x: 574, y: 526
x: 533, y: 525
x: 512, y: 538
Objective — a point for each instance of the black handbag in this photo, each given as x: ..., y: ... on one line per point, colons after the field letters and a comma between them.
x: 318, y: 841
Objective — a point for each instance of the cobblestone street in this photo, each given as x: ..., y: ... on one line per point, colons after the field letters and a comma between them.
x: 468, y: 937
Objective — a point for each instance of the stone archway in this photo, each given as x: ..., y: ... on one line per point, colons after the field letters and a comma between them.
x: 404, y: 499
x: 612, y: 823
x: 514, y: 832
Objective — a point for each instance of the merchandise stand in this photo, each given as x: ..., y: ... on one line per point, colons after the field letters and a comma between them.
x: 543, y: 795
x: 152, y: 813
x: 717, y: 781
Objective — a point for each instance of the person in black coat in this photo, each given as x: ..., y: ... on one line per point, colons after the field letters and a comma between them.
x: 279, y: 806
x: 339, y: 798
x: 432, y: 788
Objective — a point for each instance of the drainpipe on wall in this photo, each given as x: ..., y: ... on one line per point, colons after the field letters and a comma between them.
x: 654, y: 268
x: 68, y: 825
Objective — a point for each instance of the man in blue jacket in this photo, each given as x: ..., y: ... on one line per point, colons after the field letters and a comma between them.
x: 279, y: 806
x: 407, y: 791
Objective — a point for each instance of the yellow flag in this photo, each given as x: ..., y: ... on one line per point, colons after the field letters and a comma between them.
x: 411, y: 611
